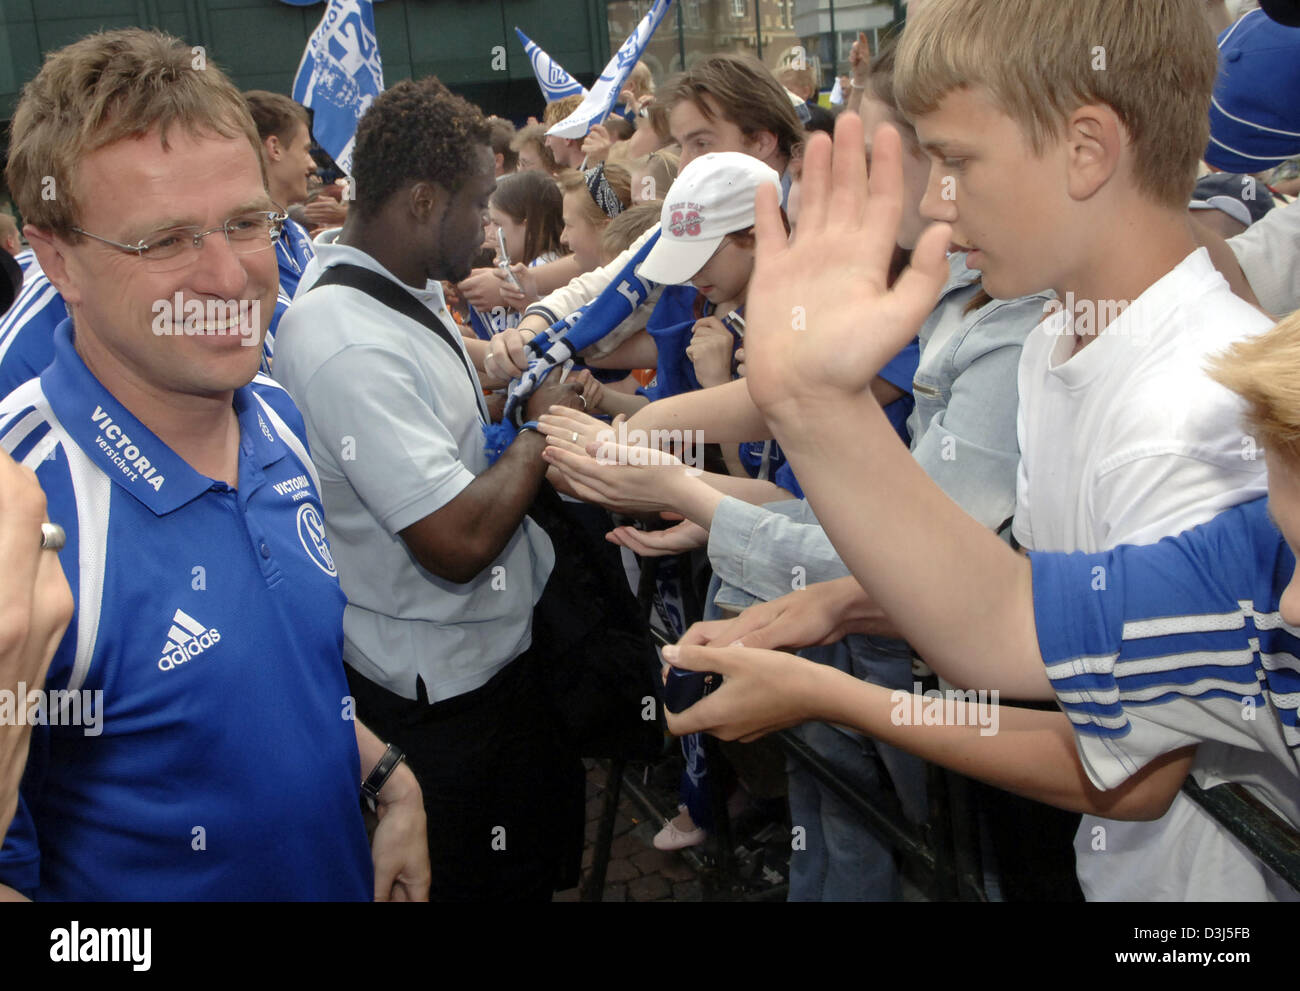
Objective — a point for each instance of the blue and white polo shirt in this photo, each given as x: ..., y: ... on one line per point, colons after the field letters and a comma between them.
x: 27, y: 329
x: 1171, y: 644
x: 293, y: 250
x: 211, y: 620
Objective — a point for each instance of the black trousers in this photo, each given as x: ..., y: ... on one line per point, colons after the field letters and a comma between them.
x: 503, y: 796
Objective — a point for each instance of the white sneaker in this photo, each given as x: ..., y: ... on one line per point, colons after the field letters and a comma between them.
x: 671, y: 837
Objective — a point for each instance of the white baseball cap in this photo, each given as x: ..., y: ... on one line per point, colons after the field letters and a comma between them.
x: 711, y: 198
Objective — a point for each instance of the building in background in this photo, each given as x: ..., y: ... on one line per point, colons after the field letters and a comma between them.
x: 469, y: 46
x: 828, y: 29
x: 697, y: 28
x: 763, y: 28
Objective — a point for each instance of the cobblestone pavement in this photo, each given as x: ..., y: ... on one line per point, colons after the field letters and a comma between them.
x: 637, y: 871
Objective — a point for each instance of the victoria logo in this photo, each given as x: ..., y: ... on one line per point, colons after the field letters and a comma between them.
x: 311, y: 531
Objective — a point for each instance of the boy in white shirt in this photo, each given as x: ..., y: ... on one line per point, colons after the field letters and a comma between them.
x: 1065, y: 140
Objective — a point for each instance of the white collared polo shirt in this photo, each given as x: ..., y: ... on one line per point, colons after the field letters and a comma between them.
x: 395, y: 424
x: 209, y: 625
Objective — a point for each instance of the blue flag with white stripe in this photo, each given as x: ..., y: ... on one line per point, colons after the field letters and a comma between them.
x: 604, y: 94
x: 340, y: 75
x: 556, y: 84
x: 566, y: 337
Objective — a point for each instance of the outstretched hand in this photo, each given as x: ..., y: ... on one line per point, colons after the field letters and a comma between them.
x: 685, y: 536
x: 817, y: 330
x: 822, y: 613
x: 762, y: 691
x: 621, y: 478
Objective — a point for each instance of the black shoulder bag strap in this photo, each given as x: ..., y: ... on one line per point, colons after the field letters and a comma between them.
x: 602, y: 666
x: 390, y: 294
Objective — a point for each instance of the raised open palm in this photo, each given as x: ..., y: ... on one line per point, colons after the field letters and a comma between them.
x: 819, y: 326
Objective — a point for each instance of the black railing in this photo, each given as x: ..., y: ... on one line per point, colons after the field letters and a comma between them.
x: 941, y: 856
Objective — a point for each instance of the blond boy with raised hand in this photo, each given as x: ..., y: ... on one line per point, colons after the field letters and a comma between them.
x: 1065, y: 139
x: 1219, y: 604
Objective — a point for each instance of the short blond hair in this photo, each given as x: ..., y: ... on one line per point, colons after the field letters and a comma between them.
x: 1264, y: 370
x: 8, y: 226
x: 559, y: 109
x: 1151, y: 61
x: 661, y: 166
x: 641, y: 80
x: 620, y: 183
x: 104, y: 88
x: 629, y: 225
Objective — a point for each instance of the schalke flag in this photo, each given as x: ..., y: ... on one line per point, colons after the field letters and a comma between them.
x: 604, y: 94
x: 340, y: 75
x: 556, y: 84
x: 580, y: 329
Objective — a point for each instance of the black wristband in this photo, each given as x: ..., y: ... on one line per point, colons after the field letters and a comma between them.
x: 377, y: 778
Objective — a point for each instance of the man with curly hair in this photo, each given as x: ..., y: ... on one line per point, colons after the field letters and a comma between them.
x: 441, y: 566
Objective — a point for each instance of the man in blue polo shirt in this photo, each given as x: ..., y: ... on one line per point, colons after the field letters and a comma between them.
x: 224, y: 761
x: 27, y: 329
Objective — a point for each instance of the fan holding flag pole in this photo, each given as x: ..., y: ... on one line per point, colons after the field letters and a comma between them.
x: 598, y: 103
x: 627, y: 291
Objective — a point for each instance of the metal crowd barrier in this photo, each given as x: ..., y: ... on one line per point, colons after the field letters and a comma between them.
x: 942, y: 855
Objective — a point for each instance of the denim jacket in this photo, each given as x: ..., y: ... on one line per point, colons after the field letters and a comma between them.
x: 964, y: 424
x: 963, y: 434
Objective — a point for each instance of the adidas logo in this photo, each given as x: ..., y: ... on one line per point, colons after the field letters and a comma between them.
x: 187, y: 639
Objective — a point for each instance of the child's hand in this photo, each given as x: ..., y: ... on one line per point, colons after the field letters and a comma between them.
x: 762, y: 691
x: 626, y: 479
x: 482, y: 288
x: 506, y: 357
x: 860, y: 60
x: 710, y: 351
x: 518, y: 299
x: 560, y: 425
x: 685, y: 536
x: 634, y: 103
x: 822, y: 613
x: 593, y: 390
x: 596, y: 144
x: 817, y: 330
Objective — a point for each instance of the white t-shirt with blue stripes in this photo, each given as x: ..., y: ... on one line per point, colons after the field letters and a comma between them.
x: 1159, y: 647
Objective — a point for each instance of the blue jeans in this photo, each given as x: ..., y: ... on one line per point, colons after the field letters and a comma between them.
x: 840, y: 859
